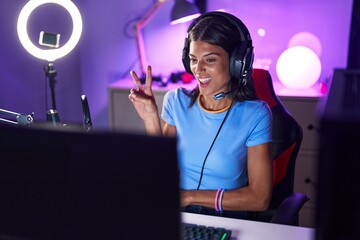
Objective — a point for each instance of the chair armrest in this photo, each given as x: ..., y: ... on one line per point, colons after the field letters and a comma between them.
x: 287, y: 212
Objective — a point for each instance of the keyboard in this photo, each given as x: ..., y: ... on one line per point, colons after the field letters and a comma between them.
x: 200, y: 232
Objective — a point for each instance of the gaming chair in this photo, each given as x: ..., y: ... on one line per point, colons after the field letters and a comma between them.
x: 287, y: 138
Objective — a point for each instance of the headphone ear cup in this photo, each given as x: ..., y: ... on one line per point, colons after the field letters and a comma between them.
x: 241, y: 61
x: 185, y: 56
x: 248, y: 65
x: 237, y: 62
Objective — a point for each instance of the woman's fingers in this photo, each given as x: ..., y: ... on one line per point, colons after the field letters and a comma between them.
x: 140, y: 96
x: 132, y: 95
x: 148, y: 80
x: 136, y: 79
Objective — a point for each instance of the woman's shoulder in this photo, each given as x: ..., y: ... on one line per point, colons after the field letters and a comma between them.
x: 173, y: 92
x: 256, y: 103
x: 177, y: 93
x: 252, y: 106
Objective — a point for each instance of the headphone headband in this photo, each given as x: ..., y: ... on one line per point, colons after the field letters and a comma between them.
x: 242, y: 29
x: 242, y: 56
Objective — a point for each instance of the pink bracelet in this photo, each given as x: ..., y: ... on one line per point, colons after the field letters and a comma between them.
x: 216, y: 199
x: 220, y: 199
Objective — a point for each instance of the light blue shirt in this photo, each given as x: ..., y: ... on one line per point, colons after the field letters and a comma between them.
x: 248, y: 124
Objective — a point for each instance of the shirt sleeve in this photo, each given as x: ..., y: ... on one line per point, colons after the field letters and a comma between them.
x: 262, y: 127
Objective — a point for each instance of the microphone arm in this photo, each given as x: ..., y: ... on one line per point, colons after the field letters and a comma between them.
x: 21, y: 119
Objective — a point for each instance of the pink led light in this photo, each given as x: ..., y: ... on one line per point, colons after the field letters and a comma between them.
x: 261, y: 32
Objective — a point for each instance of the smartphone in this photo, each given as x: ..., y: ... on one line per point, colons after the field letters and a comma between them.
x: 49, y: 39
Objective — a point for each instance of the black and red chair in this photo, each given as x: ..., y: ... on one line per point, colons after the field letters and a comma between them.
x: 287, y: 137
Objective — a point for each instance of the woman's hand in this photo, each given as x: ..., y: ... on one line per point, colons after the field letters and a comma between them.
x: 144, y: 102
x: 142, y: 97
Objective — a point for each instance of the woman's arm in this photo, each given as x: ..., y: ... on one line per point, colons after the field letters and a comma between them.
x: 254, y: 197
x: 168, y: 130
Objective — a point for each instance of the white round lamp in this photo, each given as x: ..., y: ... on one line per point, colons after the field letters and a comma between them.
x: 298, y: 67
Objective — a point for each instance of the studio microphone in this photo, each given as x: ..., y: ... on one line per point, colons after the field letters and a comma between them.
x: 222, y: 95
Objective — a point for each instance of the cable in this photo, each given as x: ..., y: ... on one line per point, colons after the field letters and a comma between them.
x: 126, y: 73
x: 46, y: 95
x: 134, y: 20
x: 212, y: 144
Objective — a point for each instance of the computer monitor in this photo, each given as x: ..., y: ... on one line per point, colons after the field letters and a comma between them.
x: 338, y: 195
x: 69, y: 184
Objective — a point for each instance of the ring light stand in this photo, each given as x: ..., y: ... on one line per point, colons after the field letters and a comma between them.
x: 50, y: 74
x: 49, y: 55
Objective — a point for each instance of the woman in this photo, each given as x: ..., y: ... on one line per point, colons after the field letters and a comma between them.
x: 223, y: 131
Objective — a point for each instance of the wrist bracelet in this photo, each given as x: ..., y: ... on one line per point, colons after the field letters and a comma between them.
x: 216, y: 199
x: 220, y: 199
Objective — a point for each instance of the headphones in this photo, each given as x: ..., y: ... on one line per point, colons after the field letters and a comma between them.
x: 242, y: 56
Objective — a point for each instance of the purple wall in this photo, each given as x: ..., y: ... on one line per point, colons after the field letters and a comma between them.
x: 328, y: 20
x: 106, y: 53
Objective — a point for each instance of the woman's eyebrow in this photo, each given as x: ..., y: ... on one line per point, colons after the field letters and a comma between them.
x: 206, y: 55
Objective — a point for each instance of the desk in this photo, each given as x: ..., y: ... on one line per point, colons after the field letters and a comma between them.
x: 251, y: 230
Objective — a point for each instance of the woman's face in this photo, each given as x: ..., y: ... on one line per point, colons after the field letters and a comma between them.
x: 210, y: 65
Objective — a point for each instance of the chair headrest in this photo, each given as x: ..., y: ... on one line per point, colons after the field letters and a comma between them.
x: 264, y: 87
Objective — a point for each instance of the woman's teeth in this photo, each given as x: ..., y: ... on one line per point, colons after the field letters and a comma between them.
x: 204, y: 80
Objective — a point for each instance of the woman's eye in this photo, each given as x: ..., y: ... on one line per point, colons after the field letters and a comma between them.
x: 211, y: 60
x: 193, y: 60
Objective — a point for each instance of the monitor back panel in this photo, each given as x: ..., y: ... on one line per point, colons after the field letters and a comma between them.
x: 74, y: 185
x: 338, y: 192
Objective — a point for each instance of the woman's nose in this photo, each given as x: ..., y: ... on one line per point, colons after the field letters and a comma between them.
x: 199, y: 67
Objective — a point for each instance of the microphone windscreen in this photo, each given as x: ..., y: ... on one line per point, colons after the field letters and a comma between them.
x: 219, y: 96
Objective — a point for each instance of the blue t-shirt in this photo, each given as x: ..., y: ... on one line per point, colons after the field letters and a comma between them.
x: 248, y: 124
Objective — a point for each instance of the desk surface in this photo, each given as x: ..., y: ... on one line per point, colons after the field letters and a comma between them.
x: 251, y: 230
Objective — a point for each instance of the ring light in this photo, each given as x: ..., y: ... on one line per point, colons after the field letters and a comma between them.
x: 49, y: 54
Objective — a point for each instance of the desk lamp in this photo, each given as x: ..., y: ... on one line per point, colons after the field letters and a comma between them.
x: 50, y: 40
x: 183, y: 11
x: 179, y: 14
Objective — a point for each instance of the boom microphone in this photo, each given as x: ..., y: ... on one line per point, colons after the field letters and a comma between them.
x: 222, y: 95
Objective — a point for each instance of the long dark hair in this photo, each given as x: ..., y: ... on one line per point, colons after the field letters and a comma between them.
x: 219, y: 31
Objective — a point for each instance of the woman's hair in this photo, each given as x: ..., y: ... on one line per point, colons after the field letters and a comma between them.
x: 219, y: 31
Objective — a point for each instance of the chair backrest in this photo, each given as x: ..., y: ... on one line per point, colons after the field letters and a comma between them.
x: 287, y: 138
